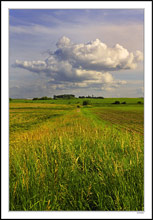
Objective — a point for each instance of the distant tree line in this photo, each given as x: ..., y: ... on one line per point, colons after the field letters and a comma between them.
x: 70, y: 96
x: 65, y: 96
x: 43, y: 98
x: 91, y: 97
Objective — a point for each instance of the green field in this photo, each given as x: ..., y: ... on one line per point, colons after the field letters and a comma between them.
x: 65, y: 157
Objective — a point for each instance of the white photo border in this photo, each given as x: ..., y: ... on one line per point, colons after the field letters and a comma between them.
x: 147, y: 6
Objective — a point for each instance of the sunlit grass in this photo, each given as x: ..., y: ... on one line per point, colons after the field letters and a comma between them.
x: 73, y: 161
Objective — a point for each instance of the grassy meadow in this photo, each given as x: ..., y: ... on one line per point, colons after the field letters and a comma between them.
x: 69, y: 157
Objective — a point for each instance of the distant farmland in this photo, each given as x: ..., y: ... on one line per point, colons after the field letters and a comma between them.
x: 64, y: 155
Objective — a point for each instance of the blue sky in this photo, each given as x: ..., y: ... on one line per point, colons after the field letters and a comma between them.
x: 39, y: 16
x: 56, y: 51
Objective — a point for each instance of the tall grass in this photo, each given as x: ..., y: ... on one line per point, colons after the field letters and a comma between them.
x: 74, y: 163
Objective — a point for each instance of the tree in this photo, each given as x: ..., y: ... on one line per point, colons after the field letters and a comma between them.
x: 116, y: 102
x: 86, y: 102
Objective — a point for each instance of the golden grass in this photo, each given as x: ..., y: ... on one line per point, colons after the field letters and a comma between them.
x: 72, y: 163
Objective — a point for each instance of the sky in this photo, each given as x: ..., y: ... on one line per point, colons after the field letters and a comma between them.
x: 95, y: 52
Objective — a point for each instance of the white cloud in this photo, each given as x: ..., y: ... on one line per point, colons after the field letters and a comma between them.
x: 84, y: 64
x: 138, y: 56
x: 96, y: 55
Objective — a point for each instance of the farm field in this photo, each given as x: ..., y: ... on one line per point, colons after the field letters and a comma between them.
x: 94, y: 102
x: 69, y: 157
x: 127, y: 118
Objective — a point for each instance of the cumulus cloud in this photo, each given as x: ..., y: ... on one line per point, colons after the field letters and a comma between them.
x: 96, y: 55
x: 84, y: 64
